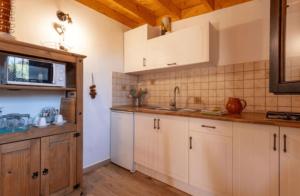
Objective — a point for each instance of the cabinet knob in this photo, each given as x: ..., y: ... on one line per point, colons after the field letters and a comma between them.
x: 35, y: 175
x: 45, y: 171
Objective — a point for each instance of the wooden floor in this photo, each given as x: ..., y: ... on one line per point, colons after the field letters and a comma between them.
x: 112, y: 180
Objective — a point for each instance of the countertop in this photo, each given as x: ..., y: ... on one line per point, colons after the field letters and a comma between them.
x: 257, y: 118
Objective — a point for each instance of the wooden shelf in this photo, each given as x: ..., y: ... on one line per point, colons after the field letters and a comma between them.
x: 41, y: 88
x: 35, y: 132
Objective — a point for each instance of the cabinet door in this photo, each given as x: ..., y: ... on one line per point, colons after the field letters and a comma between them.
x: 189, y: 46
x: 121, y: 139
x: 135, y: 49
x: 289, y: 161
x: 173, y: 147
x: 145, y: 145
x: 20, y: 166
x: 256, y: 160
x: 58, y: 164
x: 158, y: 52
x: 210, y: 163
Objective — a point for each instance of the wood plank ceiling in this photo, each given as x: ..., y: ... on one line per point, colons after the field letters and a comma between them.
x: 134, y: 13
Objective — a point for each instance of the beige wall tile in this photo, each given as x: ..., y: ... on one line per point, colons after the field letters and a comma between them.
x: 284, y: 101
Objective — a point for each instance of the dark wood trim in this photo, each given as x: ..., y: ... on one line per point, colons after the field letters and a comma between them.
x: 40, y: 88
x: 277, y: 82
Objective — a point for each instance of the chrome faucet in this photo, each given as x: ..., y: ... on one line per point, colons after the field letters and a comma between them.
x: 173, y: 103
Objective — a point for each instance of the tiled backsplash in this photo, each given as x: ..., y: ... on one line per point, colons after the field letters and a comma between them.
x: 122, y: 83
x: 210, y: 86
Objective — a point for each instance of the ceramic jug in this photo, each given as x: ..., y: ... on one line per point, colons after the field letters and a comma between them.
x: 235, y: 105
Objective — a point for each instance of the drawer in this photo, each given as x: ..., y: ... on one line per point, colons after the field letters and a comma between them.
x: 211, y: 126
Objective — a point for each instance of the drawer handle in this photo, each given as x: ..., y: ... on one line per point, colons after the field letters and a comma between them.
x: 191, y: 143
x: 154, y: 125
x: 284, y: 143
x: 207, y: 126
x: 169, y: 64
x: 158, y: 124
x: 274, y: 147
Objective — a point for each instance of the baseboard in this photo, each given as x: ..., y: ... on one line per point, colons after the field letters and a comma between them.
x: 183, y: 186
x: 96, y: 166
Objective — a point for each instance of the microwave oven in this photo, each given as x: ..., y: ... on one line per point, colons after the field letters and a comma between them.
x: 20, y: 70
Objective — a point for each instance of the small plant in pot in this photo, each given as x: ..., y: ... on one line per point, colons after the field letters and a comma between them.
x: 137, y: 96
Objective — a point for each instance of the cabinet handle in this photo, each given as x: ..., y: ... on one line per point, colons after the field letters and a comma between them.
x: 45, y: 171
x: 35, y: 175
x: 206, y: 126
x: 169, y: 64
x: 274, y: 145
x: 191, y: 143
x: 154, y: 125
x: 284, y: 143
x: 158, y: 124
x: 144, y: 62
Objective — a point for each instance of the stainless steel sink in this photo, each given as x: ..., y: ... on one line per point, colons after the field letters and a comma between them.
x: 177, y: 109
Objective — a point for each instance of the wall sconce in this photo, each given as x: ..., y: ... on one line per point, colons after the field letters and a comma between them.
x: 63, y: 17
x: 61, y: 28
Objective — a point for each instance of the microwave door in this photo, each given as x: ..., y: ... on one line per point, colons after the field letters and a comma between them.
x: 41, y: 72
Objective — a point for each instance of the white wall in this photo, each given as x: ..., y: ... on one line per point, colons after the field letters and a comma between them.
x: 242, y: 31
x: 94, y: 35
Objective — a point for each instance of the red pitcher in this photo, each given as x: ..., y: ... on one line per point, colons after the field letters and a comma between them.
x: 235, y: 105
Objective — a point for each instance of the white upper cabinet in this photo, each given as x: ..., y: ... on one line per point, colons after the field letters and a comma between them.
x: 135, y: 50
x: 144, y: 50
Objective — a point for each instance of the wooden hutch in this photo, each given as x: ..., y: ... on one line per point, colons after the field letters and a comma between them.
x: 44, y: 161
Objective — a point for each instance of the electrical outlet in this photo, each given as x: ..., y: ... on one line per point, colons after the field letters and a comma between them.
x: 197, y: 100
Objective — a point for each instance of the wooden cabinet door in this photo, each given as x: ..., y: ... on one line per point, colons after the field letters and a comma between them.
x: 58, y: 164
x: 145, y: 145
x: 289, y: 161
x: 20, y: 168
x: 173, y: 147
x: 256, y: 160
x: 210, y: 163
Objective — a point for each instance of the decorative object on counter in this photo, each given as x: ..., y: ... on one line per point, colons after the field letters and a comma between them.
x: 165, y: 25
x: 68, y: 109
x: 137, y: 96
x: 6, y: 19
x: 93, y: 91
x: 49, y: 114
x: 235, y: 105
x: 59, y: 120
x: 61, y: 28
x: 14, y: 123
x: 214, y: 112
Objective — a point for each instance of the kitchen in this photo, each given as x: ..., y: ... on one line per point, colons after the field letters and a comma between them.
x: 150, y: 97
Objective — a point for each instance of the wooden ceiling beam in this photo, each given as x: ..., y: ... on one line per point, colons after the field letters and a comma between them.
x: 171, y: 7
x: 210, y: 4
x: 100, y: 7
x: 138, y: 10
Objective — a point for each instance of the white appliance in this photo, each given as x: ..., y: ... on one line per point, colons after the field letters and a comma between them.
x: 122, y: 139
x: 22, y: 70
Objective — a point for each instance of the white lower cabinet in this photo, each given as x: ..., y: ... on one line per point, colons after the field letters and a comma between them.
x: 161, y: 144
x: 256, y: 160
x: 210, y: 157
x: 145, y: 146
x: 218, y: 158
x: 289, y: 161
